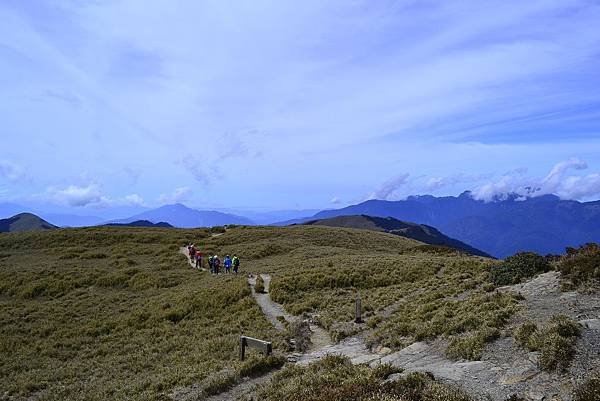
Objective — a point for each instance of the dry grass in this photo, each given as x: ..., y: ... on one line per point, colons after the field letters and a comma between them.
x: 117, y: 313
x: 555, y: 341
x: 334, y: 378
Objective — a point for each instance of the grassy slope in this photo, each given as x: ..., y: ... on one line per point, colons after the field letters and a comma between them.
x: 117, y: 313
x: 319, y: 269
x: 24, y: 222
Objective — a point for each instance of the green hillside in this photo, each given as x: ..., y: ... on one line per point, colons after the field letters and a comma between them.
x: 24, y: 222
x: 117, y: 313
x: 419, y: 232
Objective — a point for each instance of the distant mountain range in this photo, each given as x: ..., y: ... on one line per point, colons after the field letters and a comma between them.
x: 182, y: 216
x: 24, y: 222
x: 141, y: 223
x: 544, y: 224
x: 419, y: 232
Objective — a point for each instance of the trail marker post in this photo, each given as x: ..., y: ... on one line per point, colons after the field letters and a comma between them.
x: 358, y: 318
x: 265, y: 346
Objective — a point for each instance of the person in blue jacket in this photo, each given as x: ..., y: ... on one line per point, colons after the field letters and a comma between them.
x: 227, y: 264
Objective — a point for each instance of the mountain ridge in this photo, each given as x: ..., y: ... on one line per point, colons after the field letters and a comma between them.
x: 179, y: 215
x: 420, y: 232
x: 544, y: 224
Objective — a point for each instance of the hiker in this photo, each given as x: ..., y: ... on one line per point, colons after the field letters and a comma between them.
x: 211, y: 264
x: 216, y: 264
x: 193, y: 254
x: 227, y: 264
x: 198, y: 260
x: 236, y: 264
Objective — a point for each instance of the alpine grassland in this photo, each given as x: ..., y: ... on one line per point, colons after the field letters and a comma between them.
x: 334, y: 378
x: 118, y: 313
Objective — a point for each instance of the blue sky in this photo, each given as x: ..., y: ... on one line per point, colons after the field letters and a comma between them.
x: 312, y: 104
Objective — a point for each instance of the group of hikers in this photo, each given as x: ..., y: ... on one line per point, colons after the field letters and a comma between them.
x: 214, y: 263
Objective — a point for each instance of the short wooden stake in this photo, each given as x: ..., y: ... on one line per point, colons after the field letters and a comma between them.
x: 358, y: 318
x: 242, y: 348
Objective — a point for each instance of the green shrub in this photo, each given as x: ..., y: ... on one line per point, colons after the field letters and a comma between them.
x: 471, y: 347
x: 219, y: 382
x: 217, y: 230
x: 590, y: 390
x: 524, y: 334
x: 260, y: 284
x: 518, y: 267
x: 297, y: 333
x: 581, y: 266
x: 334, y: 378
x: 555, y: 341
x: 255, y: 366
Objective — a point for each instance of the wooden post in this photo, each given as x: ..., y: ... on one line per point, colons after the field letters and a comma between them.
x: 358, y: 318
x: 242, y: 348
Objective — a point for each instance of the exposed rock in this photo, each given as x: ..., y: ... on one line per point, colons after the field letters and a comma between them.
x: 546, y: 283
x: 591, y: 324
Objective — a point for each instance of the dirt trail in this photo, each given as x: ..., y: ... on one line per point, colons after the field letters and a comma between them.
x: 184, y: 251
x: 503, y: 370
x: 274, y: 312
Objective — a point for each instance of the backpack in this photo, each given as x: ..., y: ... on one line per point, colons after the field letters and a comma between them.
x: 236, y: 262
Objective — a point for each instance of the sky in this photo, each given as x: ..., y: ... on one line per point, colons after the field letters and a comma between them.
x: 290, y: 105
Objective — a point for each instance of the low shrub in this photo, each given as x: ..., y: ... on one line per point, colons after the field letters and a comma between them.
x: 581, y: 266
x: 471, y: 347
x: 297, y: 334
x: 590, y: 390
x: 524, y: 334
x: 555, y: 341
x: 217, y: 230
x: 219, y: 382
x: 260, y: 284
x: 334, y: 378
x: 255, y: 366
x: 518, y: 267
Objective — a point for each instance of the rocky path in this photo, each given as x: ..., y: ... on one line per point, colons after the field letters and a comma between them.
x: 272, y: 310
x: 504, y: 369
x: 184, y: 251
x: 319, y: 337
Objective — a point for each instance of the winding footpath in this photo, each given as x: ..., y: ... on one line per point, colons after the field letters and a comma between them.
x: 185, y: 252
x: 504, y: 370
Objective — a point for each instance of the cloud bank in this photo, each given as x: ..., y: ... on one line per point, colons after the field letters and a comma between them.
x: 558, y: 182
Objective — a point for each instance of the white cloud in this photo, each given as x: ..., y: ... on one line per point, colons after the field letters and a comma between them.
x: 181, y: 194
x: 387, y: 189
x: 554, y: 180
x: 134, y: 200
x: 78, y: 196
x: 89, y: 195
x: 557, y: 182
x: 335, y: 200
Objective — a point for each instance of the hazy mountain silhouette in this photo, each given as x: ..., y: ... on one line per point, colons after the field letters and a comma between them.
x: 420, y: 232
x: 24, y: 222
x: 141, y: 223
x: 179, y: 215
x: 544, y: 224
